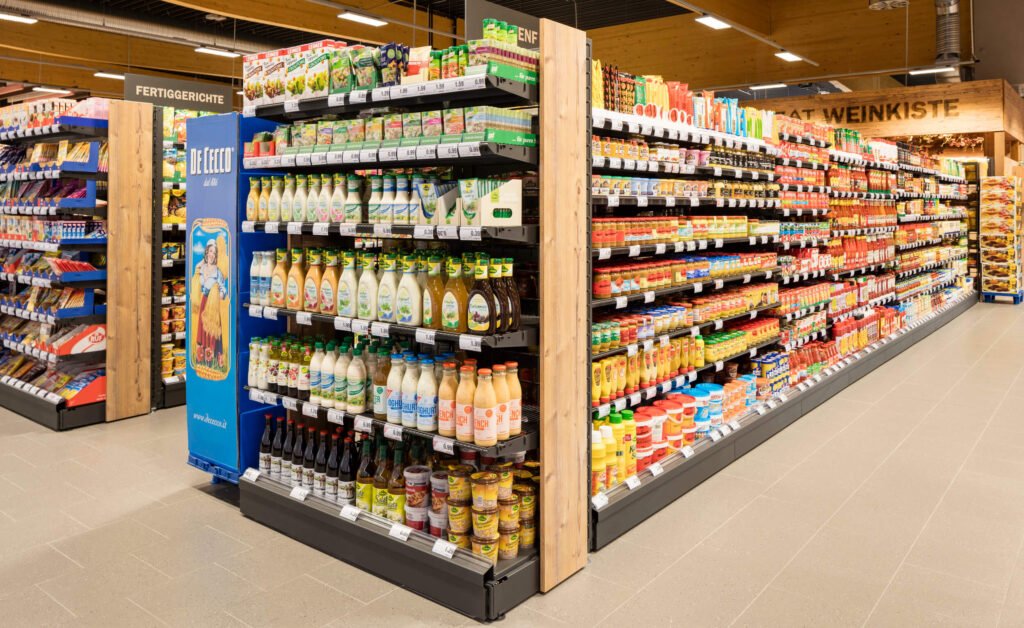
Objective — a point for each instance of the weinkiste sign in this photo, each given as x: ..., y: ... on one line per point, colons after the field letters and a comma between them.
x: 166, y: 92
x: 970, y: 107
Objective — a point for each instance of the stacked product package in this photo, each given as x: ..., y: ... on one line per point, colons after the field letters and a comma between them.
x: 1000, y: 234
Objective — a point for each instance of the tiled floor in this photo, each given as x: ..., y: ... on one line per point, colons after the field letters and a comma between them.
x: 898, y: 503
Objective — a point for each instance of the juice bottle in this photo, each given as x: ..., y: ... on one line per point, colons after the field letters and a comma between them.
x: 274, y: 200
x: 410, y: 381
x: 480, y: 314
x: 380, y: 385
x: 315, y: 366
x: 619, y: 434
x: 426, y: 398
x: 364, y: 477
x: 327, y: 376
x: 468, y: 265
x: 512, y: 293
x: 311, y: 285
x: 433, y: 293
x: 409, y: 299
x: 252, y: 202
x: 501, y: 313
x: 366, y: 294
x: 465, y: 395
x: 501, y: 396
x: 356, y: 383
x: 515, y: 399
x: 329, y: 283
x: 263, y: 199
x: 338, y: 194
x: 393, y: 392
x: 598, y: 473
x: 386, y: 290
x: 354, y: 200
x: 312, y: 198
x: 296, y: 280
x: 453, y: 303
x: 611, y: 464
x: 380, y: 481
x: 287, y: 197
x: 485, y: 411
x: 446, y: 401
x: 323, y: 203
x: 396, y: 487
x: 299, y: 198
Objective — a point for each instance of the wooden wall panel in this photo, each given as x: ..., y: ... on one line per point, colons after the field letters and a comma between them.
x: 129, y: 260
x: 564, y: 303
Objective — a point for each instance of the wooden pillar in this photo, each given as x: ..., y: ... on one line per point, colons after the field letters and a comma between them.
x: 564, y: 303
x: 129, y: 260
x: 995, y: 150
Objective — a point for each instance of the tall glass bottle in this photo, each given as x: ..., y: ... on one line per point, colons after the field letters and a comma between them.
x: 480, y: 316
x: 287, y: 198
x: 396, y: 487
x: 264, y: 199
x: 433, y: 293
x: 286, y: 453
x: 274, y: 200
x: 320, y: 467
x: 277, y: 450
x: 364, y: 478
x: 297, y: 453
x: 309, y: 458
x: 266, y: 443
x: 380, y: 481
x: 453, y: 303
x: 333, y: 460
x: 347, y: 467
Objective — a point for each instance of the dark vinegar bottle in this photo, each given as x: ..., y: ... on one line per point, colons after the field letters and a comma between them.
x: 286, y: 453
x: 331, y: 483
x: 297, y: 451
x: 320, y: 467
x: 309, y: 458
x: 276, y: 449
x: 265, y: 444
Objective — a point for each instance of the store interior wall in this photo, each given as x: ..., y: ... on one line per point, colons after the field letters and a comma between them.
x: 1000, y: 40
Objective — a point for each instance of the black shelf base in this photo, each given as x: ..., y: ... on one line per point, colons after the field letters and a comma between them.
x: 55, y: 417
x: 467, y: 587
x: 622, y: 515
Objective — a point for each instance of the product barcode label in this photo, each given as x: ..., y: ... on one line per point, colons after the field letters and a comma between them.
x: 321, y: 228
x: 362, y: 424
x: 444, y: 445
x: 656, y: 469
x: 290, y: 403
x: 310, y: 410
x: 400, y: 532
x: 303, y: 318
x: 444, y: 548
x: 599, y: 501
x: 381, y: 330
x: 426, y: 336
x: 299, y: 493
x: 633, y: 482
x: 251, y: 474
x: 336, y: 416
x: 469, y: 342
x: 342, y: 324
x: 393, y: 431
x: 270, y: 313
x: 349, y: 512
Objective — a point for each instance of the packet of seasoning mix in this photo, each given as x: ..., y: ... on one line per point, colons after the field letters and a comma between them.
x: 433, y: 126
x: 412, y: 124
x: 364, y: 67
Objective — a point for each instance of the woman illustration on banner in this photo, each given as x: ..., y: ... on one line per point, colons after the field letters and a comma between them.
x: 213, y: 288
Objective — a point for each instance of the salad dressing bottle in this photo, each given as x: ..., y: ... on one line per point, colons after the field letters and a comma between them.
x: 264, y: 199
x: 311, y: 285
x: 480, y: 314
x: 347, y: 286
x: 296, y: 281
x: 273, y: 365
x: 312, y: 198
x: 327, y: 377
x: 266, y: 271
x: 453, y: 303
x: 468, y: 266
x: 282, y: 369
x: 305, y: 368
x: 512, y: 293
x: 380, y: 386
x: 500, y: 300
x: 279, y: 279
x: 366, y: 295
x: 420, y: 260
x: 374, y: 202
x: 323, y: 203
x: 252, y: 202
x: 337, y: 210
x: 357, y: 383
x: 287, y: 198
x: 299, y: 198
x: 393, y: 392
x: 386, y: 290
x: 329, y: 283
x: 401, y: 202
x: 341, y: 378
x: 353, y: 210
x: 274, y: 200
x: 415, y: 204
x: 364, y: 477
x: 409, y: 299
x: 386, y: 213
x: 433, y: 293
x: 380, y: 481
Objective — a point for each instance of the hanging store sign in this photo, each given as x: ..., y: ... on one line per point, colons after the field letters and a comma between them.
x: 166, y: 92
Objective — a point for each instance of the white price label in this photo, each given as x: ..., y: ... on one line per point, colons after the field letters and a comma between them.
x: 426, y: 336
x: 381, y: 330
x: 634, y: 399
x: 247, y: 226
x: 427, y: 151
x: 619, y: 404
x: 702, y: 244
x: 649, y: 296
x: 444, y: 548
x: 687, y: 451
x: 393, y: 431
x: 270, y: 313
x: 321, y: 228
x: 724, y: 430
x: 444, y: 445
x: 423, y: 232
x: 335, y: 416
x: 634, y: 250
x: 304, y: 318
x: 310, y: 410
x: 469, y: 149
x: 715, y: 436
x: 290, y: 404
x: 633, y: 482
x: 448, y: 151
x: 719, y: 283
x: 698, y: 287
x: 691, y: 246
x: 349, y: 512
x: 447, y: 232
x: 621, y: 302
x: 272, y: 226
x: 604, y: 253
x: 631, y: 349
x: 256, y: 311
x: 400, y: 532
x: 613, y: 200
x: 734, y: 425
x: 719, y: 366
x: 360, y: 327
x: 362, y: 423
x: 346, y: 229
x: 299, y: 493
x: 251, y: 474
x: 599, y: 501
x: 641, y: 201
x: 469, y: 342
x: 473, y: 234
x: 651, y: 392
x: 342, y: 324
x: 382, y: 230
x: 718, y: 324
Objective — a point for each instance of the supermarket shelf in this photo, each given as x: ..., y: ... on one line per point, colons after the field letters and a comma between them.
x: 799, y: 163
x: 801, y: 211
x: 178, y: 335
x: 802, y: 312
x: 800, y: 187
x: 939, y: 285
x: 863, y: 309
x: 836, y: 276
x: 616, y: 164
x: 465, y: 582
x: 798, y: 277
x: 870, y: 196
x: 88, y: 279
x: 48, y: 409
x: 696, y: 287
x: 932, y: 173
x: 52, y: 358
x: 65, y: 128
x: 527, y: 441
x: 622, y: 508
x: 173, y: 392
x: 910, y: 218
x: 43, y: 317
x: 524, y: 337
x: 481, y: 89
x: 732, y: 172
x: 473, y: 153
x: 929, y: 266
x: 929, y: 197
x: 637, y: 250
x: 804, y: 243
x: 56, y: 173
x: 54, y: 210
x: 802, y: 139
x: 863, y: 231
x: 801, y: 341
x: 173, y: 226
x: 615, y: 200
x: 173, y: 185
x: 76, y: 244
x: 627, y: 124
x: 171, y: 263
x: 173, y: 300
x: 918, y: 244
x: 527, y: 234
x: 651, y: 392
x: 695, y: 330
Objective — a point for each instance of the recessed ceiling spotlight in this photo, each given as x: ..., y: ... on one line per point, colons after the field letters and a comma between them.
x: 787, y: 56
x: 712, y: 22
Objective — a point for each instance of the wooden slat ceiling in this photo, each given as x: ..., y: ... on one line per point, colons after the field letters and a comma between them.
x: 582, y: 14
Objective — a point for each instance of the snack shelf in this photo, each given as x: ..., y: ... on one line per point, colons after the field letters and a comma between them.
x: 379, y: 156
x: 929, y: 196
x: 524, y: 337
x: 695, y: 330
x: 836, y: 276
x: 863, y: 231
x: 863, y: 309
x: 801, y: 187
x: 88, y: 279
x: 931, y: 173
x: 652, y: 392
x: 803, y: 139
x: 869, y: 196
x: 615, y: 512
x: 77, y: 244
x: 628, y: 124
x: 46, y: 408
x: 615, y: 200
x: 173, y: 226
x: 53, y: 358
x: 912, y: 218
x: 62, y: 317
x: 414, y: 560
x: 732, y: 172
x: 178, y: 335
x: 695, y: 287
x: 528, y: 440
x: 804, y: 243
x: 799, y: 163
x: 65, y: 128
x: 798, y: 277
x: 172, y: 300
x: 526, y: 234
x: 473, y: 90
x: 57, y: 173
x: 637, y: 250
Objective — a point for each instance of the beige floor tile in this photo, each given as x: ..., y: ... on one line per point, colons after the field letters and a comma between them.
x: 32, y: 566
x: 299, y: 602
x: 625, y: 561
x: 400, y: 608
x: 1015, y: 590
x: 19, y: 536
x: 180, y: 555
x: 107, y: 508
x: 353, y: 581
x: 120, y: 613
x: 30, y: 607
x: 785, y: 609
x: 968, y: 546
x: 582, y: 600
x: 768, y: 527
x: 88, y: 592
x: 107, y: 542
x: 193, y: 599
x: 922, y: 597
x: 1012, y: 617
x: 276, y: 563
x: 523, y: 617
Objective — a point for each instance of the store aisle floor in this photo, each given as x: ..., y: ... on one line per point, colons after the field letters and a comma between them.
x: 900, y: 502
